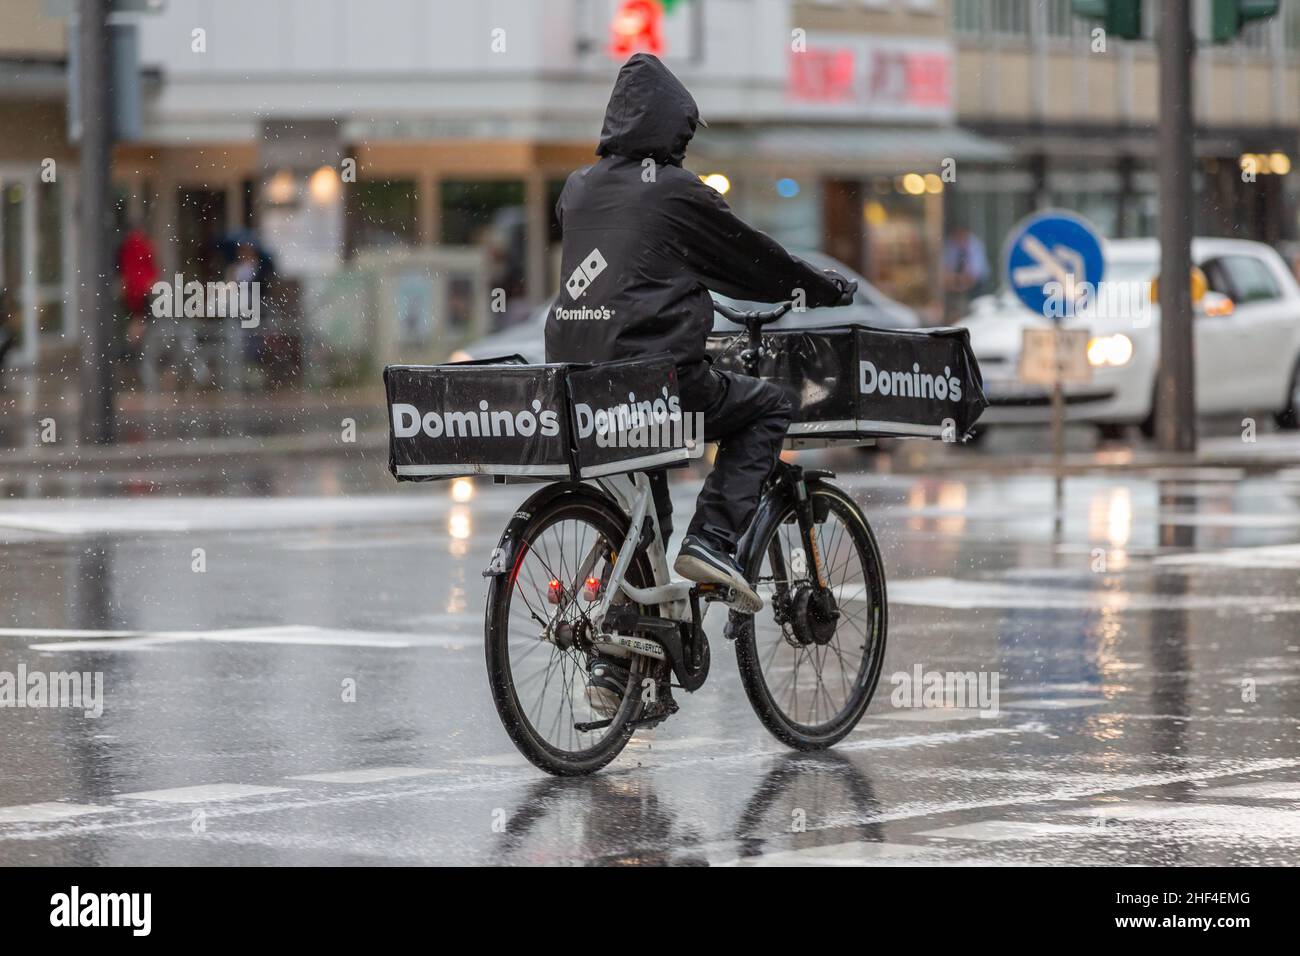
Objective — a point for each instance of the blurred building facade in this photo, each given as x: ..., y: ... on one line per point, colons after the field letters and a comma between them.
x: 1082, y: 120
x: 416, y: 149
x: 38, y: 177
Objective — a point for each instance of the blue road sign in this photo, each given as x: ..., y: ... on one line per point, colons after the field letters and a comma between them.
x: 1051, y: 260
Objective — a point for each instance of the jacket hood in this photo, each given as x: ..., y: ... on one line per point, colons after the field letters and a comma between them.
x: 650, y: 113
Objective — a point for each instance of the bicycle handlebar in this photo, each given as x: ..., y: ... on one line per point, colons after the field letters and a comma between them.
x: 761, y: 317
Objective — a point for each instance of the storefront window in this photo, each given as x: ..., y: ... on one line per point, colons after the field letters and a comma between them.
x: 202, y: 220
x: 1010, y: 17
x: 1100, y: 208
x: 899, y: 256
x: 490, y: 214
x: 385, y: 213
x: 879, y: 229
x: 49, y: 235
x: 1060, y: 20
x: 50, y: 315
x: 248, y: 197
x: 968, y: 16
x: 12, y: 197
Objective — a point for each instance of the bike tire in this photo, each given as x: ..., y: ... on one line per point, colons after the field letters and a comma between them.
x: 787, y: 729
x: 609, y: 521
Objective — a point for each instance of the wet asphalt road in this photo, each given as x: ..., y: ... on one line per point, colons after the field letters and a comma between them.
x: 1148, y: 664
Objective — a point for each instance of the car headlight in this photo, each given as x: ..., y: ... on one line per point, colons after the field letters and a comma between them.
x: 460, y: 355
x: 1110, y: 351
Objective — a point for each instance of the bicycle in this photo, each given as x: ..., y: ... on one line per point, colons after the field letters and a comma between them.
x: 582, y: 572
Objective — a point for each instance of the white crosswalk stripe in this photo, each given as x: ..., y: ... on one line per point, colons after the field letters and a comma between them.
x: 48, y: 812
x: 1264, y: 790
x: 990, y: 830
x: 204, y: 793
x: 371, y: 775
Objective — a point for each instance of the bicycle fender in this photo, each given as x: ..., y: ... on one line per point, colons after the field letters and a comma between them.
x: 503, y: 555
x: 769, y: 507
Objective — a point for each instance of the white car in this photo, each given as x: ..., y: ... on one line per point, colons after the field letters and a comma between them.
x: 870, y: 307
x: 1247, y: 340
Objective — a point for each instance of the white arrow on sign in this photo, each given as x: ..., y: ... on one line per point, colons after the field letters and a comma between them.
x: 1061, y: 264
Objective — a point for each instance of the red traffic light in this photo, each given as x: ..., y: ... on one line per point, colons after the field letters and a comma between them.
x: 637, y: 27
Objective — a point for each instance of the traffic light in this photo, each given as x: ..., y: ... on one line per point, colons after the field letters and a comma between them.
x: 1121, y: 18
x: 1227, y: 17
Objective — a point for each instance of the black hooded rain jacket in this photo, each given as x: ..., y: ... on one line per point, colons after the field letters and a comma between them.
x: 645, y: 239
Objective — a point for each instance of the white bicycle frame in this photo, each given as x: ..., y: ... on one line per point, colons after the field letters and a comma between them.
x: 632, y: 492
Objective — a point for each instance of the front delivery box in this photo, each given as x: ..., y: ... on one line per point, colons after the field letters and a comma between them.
x: 853, y: 382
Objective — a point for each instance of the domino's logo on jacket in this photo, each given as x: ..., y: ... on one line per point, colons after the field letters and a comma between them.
x: 593, y: 264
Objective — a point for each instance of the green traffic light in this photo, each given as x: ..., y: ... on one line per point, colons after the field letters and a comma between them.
x: 1227, y: 17
x: 1121, y: 18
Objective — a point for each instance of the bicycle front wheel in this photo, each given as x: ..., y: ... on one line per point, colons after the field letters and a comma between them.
x: 811, y: 660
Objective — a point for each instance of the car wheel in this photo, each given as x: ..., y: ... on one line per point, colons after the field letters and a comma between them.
x: 1289, y: 417
x: 1148, y: 425
x: 1111, y: 431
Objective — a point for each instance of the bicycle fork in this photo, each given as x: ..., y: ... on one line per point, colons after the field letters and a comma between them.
x: 801, y: 573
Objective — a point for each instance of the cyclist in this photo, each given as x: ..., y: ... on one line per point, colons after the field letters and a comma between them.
x: 644, y: 242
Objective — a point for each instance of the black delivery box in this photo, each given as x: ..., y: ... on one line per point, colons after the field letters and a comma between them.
x: 562, y: 421
x: 853, y: 382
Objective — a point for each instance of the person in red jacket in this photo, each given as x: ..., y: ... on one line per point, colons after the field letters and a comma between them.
x: 136, y: 264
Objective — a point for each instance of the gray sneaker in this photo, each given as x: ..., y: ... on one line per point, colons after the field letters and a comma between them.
x: 703, y: 563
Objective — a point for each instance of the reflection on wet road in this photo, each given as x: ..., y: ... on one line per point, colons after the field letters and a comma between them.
x: 292, y: 672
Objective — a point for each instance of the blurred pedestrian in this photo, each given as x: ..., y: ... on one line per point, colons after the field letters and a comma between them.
x: 244, y: 270
x: 965, y: 270
x: 138, y: 270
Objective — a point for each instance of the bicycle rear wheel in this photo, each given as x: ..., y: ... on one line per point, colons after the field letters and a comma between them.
x: 540, y: 640
x: 810, y: 669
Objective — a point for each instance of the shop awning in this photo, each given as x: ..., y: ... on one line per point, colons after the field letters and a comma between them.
x: 1107, y: 143
x: 825, y: 145
x: 33, y: 78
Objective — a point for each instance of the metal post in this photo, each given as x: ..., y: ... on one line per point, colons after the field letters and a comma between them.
x: 96, y: 298
x: 1058, y: 434
x: 1175, y: 409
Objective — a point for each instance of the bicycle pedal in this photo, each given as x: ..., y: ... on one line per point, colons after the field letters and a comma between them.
x: 716, y: 592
